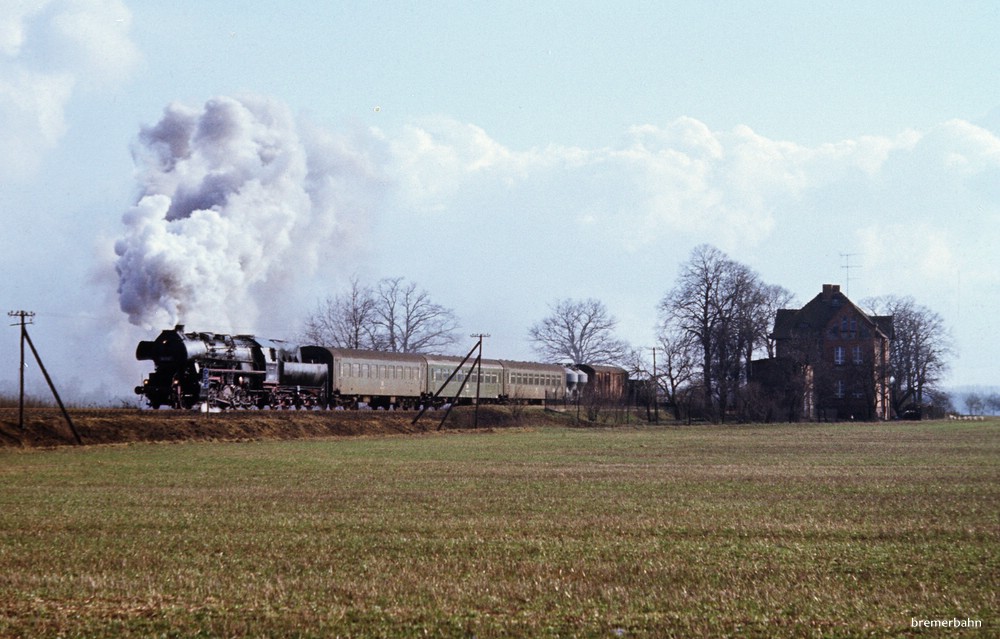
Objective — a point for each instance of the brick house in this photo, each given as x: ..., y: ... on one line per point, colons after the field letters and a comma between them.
x: 834, y: 357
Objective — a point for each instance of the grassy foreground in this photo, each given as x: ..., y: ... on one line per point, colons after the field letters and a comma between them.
x: 759, y: 531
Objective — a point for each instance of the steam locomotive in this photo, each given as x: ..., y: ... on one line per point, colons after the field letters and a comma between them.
x: 237, y: 371
x: 241, y: 371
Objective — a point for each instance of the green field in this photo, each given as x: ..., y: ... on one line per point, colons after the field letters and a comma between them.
x: 829, y: 530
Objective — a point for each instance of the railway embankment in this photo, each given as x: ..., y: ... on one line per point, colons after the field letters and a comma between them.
x: 46, y: 427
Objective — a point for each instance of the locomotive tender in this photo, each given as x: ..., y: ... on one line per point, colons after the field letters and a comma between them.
x: 242, y: 371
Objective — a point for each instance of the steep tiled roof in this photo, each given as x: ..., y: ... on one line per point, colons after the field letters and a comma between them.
x: 813, y: 318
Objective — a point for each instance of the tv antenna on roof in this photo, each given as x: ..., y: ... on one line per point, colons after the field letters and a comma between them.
x: 847, y: 266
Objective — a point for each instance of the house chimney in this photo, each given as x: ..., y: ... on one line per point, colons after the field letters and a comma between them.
x: 829, y: 290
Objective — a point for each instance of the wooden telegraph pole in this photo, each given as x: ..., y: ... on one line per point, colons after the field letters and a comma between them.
x: 24, y: 318
x: 479, y: 378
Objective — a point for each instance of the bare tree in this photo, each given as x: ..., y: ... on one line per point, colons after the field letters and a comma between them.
x: 724, y: 307
x: 772, y: 298
x: 921, y: 346
x: 395, y: 316
x: 993, y: 403
x: 408, y: 321
x: 975, y: 404
x: 344, y: 321
x: 580, y: 332
x: 702, y: 305
x: 676, y: 363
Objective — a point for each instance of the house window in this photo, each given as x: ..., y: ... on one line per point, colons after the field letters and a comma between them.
x: 856, y: 352
x: 838, y: 355
x: 839, y: 389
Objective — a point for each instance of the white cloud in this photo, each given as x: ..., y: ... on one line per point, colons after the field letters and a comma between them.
x: 922, y: 209
x: 921, y: 252
x: 681, y: 178
x: 48, y: 51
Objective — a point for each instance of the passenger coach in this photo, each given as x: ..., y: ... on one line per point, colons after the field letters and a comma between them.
x: 403, y: 380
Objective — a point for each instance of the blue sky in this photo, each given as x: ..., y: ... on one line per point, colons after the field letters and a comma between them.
x: 502, y: 156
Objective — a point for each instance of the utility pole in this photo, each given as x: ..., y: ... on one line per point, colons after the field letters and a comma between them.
x: 478, y: 363
x: 23, y: 316
x: 479, y: 377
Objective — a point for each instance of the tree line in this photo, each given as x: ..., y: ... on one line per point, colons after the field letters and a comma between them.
x: 982, y: 403
x: 711, y: 325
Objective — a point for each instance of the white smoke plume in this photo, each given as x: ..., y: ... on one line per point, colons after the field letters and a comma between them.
x: 239, y: 204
